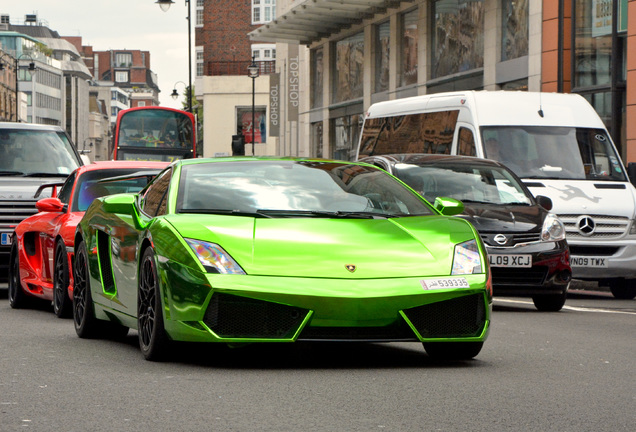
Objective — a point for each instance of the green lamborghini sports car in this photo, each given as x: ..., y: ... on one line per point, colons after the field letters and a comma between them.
x: 243, y: 250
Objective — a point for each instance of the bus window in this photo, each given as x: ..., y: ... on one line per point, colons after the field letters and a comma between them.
x: 154, y: 133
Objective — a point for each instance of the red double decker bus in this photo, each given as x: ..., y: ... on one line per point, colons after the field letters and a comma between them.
x: 154, y: 133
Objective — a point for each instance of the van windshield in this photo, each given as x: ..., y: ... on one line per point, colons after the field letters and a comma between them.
x: 553, y: 152
x: 26, y: 152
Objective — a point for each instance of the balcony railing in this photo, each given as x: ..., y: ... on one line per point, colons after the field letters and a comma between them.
x: 238, y: 67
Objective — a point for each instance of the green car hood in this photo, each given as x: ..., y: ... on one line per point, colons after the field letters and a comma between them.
x: 317, y: 247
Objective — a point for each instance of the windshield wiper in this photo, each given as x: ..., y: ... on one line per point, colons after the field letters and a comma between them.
x: 257, y: 213
x: 43, y: 174
x: 326, y: 214
x: 11, y: 173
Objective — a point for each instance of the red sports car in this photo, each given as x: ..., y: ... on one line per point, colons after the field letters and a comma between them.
x: 42, y: 250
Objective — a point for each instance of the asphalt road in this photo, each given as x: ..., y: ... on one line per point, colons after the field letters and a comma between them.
x: 572, y: 370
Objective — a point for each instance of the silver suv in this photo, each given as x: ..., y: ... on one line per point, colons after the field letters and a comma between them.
x: 30, y: 155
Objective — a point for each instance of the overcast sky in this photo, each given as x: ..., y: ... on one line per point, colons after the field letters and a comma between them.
x: 122, y: 24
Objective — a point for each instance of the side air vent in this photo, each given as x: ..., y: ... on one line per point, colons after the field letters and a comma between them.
x: 103, y: 254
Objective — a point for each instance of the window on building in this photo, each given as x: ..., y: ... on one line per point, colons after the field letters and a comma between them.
x: 123, y: 59
x: 199, y: 14
x: 457, y: 37
x: 200, y: 61
x: 121, y: 76
x: 316, y: 76
x: 244, y: 120
x: 382, y: 39
x: 408, y: 48
x: 348, y: 68
x: 263, y: 11
x: 113, y: 95
x: 264, y: 52
x: 316, y: 140
x: 514, y: 29
x: 141, y: 103
x: 347, y: 133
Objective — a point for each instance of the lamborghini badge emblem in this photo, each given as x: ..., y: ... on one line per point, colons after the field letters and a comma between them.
x: 350, y: 267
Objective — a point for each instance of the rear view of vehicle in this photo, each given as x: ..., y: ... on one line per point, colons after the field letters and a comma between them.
x: 30, y: 155
x: 154, y: 133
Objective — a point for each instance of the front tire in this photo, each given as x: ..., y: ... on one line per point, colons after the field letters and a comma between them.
x: 153, y: 340
x: 86, y: 325
x: 61, y: 302
x: 624, y: 289
x: 18, y: 299
x: 453, y: 350
x: 549, y: 302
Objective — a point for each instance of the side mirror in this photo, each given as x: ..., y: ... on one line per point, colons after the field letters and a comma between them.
x: 121, y: 203
x: 631, y: 172
x: 448, y: 206
x: 53, y: 205
x: 544, y: 202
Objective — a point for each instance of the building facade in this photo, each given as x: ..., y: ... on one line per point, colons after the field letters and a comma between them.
x: 129, y: 70
x: 354, y: 54
x: 234, y: 104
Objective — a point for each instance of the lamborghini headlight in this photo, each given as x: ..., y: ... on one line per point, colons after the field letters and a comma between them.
x: 466, y: 259
x: 214, y: 258
x: 553, y: 229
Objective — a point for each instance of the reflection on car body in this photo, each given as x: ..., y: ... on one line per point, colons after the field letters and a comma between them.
x: 527, y: 251
x: 242, y: 250
x: 42, y: 250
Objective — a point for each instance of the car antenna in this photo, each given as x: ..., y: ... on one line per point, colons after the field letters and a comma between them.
x: 540, y: 106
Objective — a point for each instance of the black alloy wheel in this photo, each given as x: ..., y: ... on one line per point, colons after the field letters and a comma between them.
x: 153, y: 340
x: 61, y: 301
x: 17, y: 297
x: 86, y: 325
x: 624, y: 289
x: 549, y: 302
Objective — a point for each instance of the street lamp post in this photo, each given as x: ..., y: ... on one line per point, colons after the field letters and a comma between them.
x: 175, y: 94
x: 165, y: 5
x: 32, y: 69
x: 253, y: 71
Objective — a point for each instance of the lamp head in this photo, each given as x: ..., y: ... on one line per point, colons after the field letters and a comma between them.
x: 253, y: 70
x: 174, y: 94
x: 164, y: 4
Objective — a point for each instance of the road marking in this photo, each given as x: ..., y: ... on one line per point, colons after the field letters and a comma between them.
x: 572, y: 308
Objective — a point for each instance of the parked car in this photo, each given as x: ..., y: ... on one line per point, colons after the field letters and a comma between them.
x: 526, y: 245
x: 240, y: 250
x: 42, y: 247
x: 30, y: 155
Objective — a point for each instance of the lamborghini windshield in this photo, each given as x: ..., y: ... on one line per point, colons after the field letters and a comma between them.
x: 294, y: 188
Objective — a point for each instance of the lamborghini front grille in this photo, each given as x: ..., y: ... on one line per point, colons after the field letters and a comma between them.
x: 459, y: 317
x: 231, y: 316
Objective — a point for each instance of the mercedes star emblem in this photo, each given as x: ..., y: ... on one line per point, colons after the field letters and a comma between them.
x: 586, y: 225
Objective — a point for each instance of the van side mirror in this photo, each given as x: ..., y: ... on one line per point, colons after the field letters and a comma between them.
x: 544, y: 202
x: 631, y: 172
x: 448, y: 206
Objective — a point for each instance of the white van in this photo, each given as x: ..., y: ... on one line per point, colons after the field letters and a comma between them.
x: 555, y: 142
